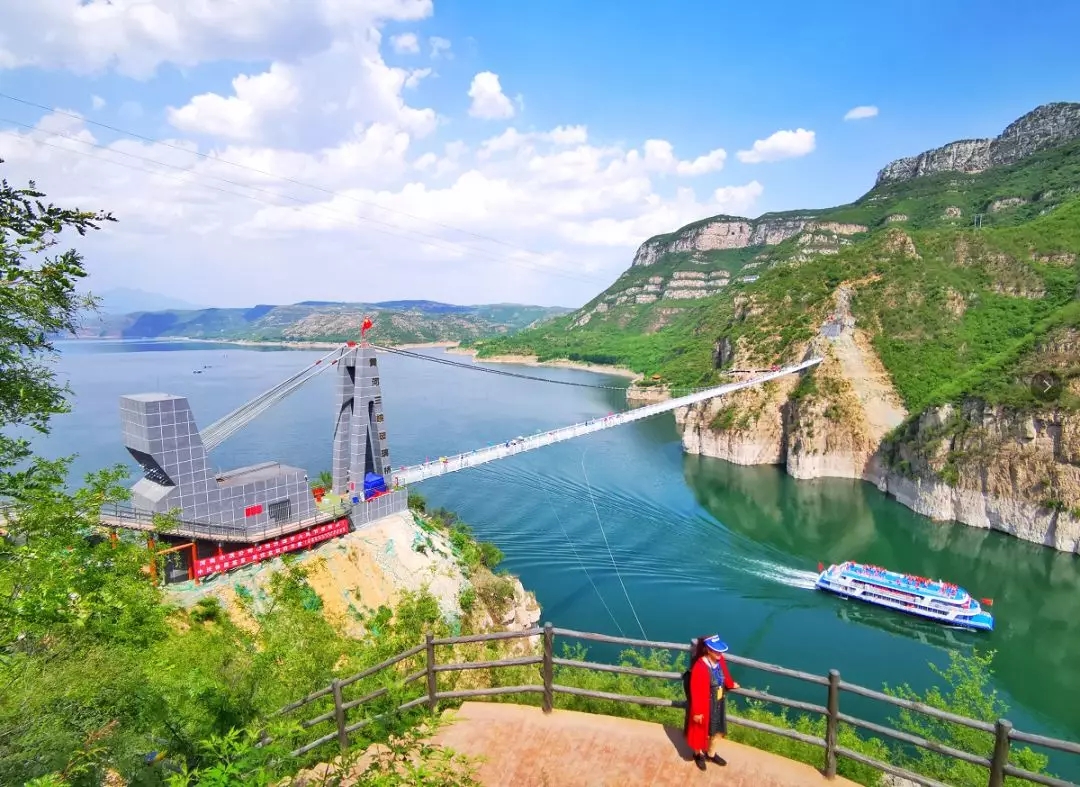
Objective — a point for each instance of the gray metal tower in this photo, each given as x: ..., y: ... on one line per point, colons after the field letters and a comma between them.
x: 360, y: 434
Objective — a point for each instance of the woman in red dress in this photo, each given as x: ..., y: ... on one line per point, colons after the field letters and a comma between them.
x: 706, y: 712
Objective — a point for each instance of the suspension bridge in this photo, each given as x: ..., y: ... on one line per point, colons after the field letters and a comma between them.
x: 416, y: 473
x: 270, y: 508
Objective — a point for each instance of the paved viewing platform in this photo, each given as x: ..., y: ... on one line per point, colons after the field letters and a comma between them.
x: 519, y: 746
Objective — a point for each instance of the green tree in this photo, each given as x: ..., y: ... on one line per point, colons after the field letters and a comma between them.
x: 38, y: 301
x: 966, y: 692
x: 325, y: 479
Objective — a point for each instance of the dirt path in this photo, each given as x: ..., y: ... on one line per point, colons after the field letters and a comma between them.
x: 522, y: 747
x: 882, y: 407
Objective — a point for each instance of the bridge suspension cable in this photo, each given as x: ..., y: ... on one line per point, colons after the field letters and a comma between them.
x: 487, y: 370
x: 416, y: 473
x: 219, y: 431
x: 603, y: 532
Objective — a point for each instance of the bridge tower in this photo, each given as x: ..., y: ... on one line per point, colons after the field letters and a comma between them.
x: 360, y: 445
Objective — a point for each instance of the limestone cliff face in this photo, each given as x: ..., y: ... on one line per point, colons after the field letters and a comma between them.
x: 1044, y: 127
x: 745, y: 428
x: 733, y: 232
x: 984, y: 466
x: 993, y: 468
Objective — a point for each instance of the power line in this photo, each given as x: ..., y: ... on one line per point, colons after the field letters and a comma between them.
x: 581, y: 563
x: 504, y: 373
x: 611, y: 554
x: 309, y: 205
x: 486, y: 370
x: 266, y: 173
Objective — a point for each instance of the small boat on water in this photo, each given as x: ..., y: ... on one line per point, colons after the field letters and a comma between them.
x: 933, y: 599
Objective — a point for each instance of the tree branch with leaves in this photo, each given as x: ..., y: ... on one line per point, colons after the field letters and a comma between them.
x: 38, y: 302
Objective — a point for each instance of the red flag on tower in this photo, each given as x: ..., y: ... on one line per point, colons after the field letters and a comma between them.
x: 365, y: 326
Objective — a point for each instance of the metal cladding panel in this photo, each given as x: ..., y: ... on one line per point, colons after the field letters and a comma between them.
x: 359, y: 435
x: 344, y: 395
x: 161, y: 434
x: 364, y: 513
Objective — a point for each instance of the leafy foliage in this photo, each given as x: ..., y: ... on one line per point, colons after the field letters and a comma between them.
x: 472, y: 554
x: 953, y: 312
x: 967, y: 693
x: 37, y: 302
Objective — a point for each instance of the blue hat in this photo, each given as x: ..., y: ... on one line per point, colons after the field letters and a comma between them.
x: 715, y: 644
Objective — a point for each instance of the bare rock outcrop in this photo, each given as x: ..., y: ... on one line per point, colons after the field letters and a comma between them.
x: 1044, y: 127
x: 734, y: 232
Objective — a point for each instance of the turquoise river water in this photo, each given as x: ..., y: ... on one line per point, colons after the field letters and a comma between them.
x: 701, y: 545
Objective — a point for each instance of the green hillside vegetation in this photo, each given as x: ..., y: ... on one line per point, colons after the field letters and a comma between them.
x: 107, y: 681
x: 396, y: 323
x: 964, y: 315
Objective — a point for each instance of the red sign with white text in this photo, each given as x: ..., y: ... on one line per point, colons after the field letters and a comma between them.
x: 269, y: 549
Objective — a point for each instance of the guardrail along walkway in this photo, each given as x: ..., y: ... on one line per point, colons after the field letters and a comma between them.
x: 417, y: 672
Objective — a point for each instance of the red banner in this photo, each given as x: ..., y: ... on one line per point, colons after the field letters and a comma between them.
x: 269, y: 549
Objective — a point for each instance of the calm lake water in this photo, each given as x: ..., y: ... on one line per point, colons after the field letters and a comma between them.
x: 700, y: 545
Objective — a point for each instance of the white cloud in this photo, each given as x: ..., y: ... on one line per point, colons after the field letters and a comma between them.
x: 778, y: 146
x: 136, y: 36
x: 416, y: 75
x: 861, y: 113
x: 660, y: 157
x: 488, y: 100
x: 311, y: 102
x: 312, y: 176
x: 255, y: 100
x: 97, y: 102
x: 405, y: 44
x: 440, y: 47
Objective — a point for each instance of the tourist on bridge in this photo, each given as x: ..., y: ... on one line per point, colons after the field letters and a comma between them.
x: 706, y: 713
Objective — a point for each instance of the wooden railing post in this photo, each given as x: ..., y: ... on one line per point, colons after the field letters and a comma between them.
x: 339, y: 716
x: 549, y: 667
x: 432, y: 686
x: 1002, y: 730
x: 832, y: 723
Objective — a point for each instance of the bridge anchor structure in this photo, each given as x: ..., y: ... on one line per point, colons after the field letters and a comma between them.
x: 210, y: 522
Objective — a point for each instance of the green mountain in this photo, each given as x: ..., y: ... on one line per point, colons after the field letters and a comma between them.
x: 395, y: 322
x: 941, y: 300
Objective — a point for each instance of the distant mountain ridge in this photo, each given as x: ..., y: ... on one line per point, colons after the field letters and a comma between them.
x: 1044, y: 127
x: 403, y: 321
x: 125, y: 300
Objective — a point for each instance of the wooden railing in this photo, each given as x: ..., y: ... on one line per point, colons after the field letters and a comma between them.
x: 996, y: 763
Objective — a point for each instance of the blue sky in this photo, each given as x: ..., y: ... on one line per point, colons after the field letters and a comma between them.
x: 700, y: 75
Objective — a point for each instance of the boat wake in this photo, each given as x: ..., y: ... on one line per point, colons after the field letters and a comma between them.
x: 783, y: 575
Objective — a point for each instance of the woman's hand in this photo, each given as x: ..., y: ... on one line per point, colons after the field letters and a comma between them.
x: 699, y: 718
x: 735, y: 686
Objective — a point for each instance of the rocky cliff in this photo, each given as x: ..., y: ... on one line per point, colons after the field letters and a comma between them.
x: 986, y: 466
x: 370, y: 568
x: 991, y: 467
x: 733, y: 232
x: 1044, y: 127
